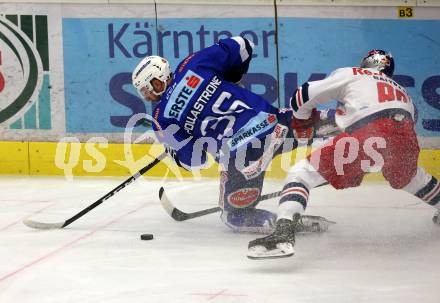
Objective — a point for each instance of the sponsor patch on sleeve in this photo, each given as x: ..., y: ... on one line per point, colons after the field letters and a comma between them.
x: 253, y: 128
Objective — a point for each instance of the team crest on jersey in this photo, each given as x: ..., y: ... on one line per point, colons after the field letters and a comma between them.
x: 182, y: 94
x: 256, y: 126
x: 244, y: 197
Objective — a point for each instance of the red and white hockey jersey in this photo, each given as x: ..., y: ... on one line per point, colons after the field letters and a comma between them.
x: 360, y: 92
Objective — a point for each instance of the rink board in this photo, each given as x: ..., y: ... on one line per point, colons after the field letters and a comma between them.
x: 95, y: 159
x: 84, y: 55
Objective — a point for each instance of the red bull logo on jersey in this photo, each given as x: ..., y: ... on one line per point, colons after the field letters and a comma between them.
x: 182, y: 94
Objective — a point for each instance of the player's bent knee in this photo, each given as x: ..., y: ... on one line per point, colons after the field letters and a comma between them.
x: 347, y: 182
x: 399, y: 183
x: 398, y: 179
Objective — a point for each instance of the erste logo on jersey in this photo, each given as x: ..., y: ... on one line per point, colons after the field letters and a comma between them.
x: 255, y: 126
x: 182, y: 94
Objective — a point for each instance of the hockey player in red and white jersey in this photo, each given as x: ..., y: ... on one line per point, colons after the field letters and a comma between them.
x: 375, y: 115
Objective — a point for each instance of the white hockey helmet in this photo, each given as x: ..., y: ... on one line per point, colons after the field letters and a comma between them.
x: 152, y: 67
x: 380, y: 60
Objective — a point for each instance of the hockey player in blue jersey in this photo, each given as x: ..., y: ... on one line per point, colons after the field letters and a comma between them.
x: 200, y: 109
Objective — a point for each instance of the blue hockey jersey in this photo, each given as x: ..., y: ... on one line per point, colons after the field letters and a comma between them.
x: 203, y: 110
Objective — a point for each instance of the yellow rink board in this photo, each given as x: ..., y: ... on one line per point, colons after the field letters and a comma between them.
x: 94, y: 159
x: 14, y: 158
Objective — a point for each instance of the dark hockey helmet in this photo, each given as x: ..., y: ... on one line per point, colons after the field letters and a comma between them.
x: 379, y: 59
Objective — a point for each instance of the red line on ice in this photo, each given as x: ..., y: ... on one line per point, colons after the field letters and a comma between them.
x: 67, y: 245
x: 26, y: 201
x: 218, y: 294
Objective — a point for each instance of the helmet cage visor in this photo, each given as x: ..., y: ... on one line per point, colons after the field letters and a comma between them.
x: 381, y: 60
x: 148, y: 89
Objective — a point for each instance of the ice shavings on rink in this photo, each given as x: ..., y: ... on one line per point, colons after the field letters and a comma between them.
x: 384, y: 247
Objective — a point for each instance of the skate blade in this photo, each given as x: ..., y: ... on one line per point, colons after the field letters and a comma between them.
x: 259, y: 252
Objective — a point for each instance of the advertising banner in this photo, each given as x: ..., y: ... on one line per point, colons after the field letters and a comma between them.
x: 65, y: 69
x: 98, y: 92
x: 24, y: 72
x: 31, y: 73
x: 311, y: 48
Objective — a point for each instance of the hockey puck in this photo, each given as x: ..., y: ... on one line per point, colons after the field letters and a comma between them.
x: 147, y: 237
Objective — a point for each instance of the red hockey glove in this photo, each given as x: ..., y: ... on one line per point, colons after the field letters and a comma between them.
x: 305, y: 129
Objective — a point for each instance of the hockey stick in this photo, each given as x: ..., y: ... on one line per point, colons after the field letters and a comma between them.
x: 41, y: 225
x: 179, y: 215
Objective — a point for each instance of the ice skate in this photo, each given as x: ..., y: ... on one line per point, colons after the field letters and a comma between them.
x: 277, y: 245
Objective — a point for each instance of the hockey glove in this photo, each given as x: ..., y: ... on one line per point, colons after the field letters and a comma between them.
x: 305, y: 129
x: 326, y: 126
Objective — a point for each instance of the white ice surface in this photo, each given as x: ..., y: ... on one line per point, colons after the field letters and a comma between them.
x: 384, y: 247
